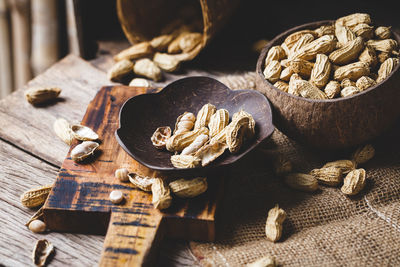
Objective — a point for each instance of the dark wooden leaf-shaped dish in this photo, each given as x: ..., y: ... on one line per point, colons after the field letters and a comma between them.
x: 141, y: 115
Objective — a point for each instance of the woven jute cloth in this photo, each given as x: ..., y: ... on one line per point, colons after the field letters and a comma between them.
x: 324, y: 228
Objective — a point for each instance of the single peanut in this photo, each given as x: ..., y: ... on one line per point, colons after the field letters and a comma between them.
x: 273, y: 225
x: 354, y: 182
x: 161, y: 194
x: 331, y: 176
x: 363, y: 154
x: 188, y: 188
x: 301, y: 181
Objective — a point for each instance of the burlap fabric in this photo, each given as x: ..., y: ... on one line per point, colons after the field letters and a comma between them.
x: 326, y: 228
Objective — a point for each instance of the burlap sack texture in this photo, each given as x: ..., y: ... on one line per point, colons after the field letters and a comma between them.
x: 325, y: 228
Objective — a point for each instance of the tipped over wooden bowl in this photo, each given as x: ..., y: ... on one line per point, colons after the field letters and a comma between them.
x: 334, y: 123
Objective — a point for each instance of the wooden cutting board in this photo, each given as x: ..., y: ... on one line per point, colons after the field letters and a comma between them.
x: 79, y: 199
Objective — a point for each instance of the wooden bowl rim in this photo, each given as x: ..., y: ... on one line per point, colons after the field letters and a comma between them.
x: 311, y: 25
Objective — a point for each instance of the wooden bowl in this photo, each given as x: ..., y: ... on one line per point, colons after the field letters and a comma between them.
x: 336, y: 123
x: 141, y: 115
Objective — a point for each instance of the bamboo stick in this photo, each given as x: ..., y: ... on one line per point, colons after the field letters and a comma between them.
x: 73, y: 42
x: 44, y: 34
x: 20, y: 21
x: 6, y: 84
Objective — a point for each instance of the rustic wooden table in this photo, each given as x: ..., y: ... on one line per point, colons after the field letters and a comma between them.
x: 31, y: 155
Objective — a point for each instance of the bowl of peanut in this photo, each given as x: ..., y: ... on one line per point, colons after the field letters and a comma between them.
x: 193, y: 125
x: 332, y: 84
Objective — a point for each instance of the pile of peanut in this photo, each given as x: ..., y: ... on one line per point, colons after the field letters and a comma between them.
x: 160, y: 188
x: 330, y: 174
x: 69, y: 132
x: 202, y: 139
x: 343, y: 172
x: 338, y: 60
x: 176, y: 44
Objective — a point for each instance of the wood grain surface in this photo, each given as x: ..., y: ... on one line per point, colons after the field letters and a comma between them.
x: 30, y: 149
x: 20, y: 172
x: 79, y: 200
x: 31, y: 154
x: 31, y: 128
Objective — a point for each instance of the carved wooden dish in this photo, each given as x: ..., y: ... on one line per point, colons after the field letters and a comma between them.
x: 141, y: 115
x: 335, y: 123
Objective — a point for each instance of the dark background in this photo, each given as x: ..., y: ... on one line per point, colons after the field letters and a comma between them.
x: 252, y: 20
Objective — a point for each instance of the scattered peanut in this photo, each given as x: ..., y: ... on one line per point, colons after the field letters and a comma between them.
x: 120, y: 69
x: 282, y: 165
x: 37, y: 226
x: 140, y: 82
x: 273, y: 226
x: 354, y: 182
x: 143, y: 183
x: 301, y: 181
x: 136, y: 51
x: 83, y: 150
x: 62, y: 129
x: 116, y: 196
x: 190, y: 41
x: 188, y: 188
x: 35, y: 197
x: 331, y: 176
x: 41, y: 252
x: 167, y: 62
x: 38, y: 215
x: 36, y: 96
x: 83, y: 133
x: 345, y: 165
x: 122, y: 174
x: 160, y: 43
x: 161, y: 194
x: 363, y: 154
x: 147, y: 68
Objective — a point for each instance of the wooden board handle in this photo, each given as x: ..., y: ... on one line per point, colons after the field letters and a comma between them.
x: 132, y: 237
